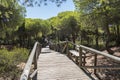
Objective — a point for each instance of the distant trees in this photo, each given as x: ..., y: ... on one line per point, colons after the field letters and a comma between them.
x: 67, y: 26
x: 70, y: 27
x: 35, y: 28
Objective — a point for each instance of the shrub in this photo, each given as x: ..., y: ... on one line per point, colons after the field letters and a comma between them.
x: 9, y: 61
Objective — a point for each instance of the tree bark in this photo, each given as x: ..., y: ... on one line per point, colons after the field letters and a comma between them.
x: 108, y: 39
x: 118, y: 35
x: 96, y: 39
x: 73, y: 39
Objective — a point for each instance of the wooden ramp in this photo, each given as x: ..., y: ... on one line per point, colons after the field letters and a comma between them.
x: 55, y: 66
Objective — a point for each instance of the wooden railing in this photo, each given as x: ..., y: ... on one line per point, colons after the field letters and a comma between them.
x: 81, y: 58
x: 60, y: 47
x: 32, y: 59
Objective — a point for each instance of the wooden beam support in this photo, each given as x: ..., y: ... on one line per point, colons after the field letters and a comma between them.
x: 102, y: 67
x: 80, y: 56
x: 33, y: 74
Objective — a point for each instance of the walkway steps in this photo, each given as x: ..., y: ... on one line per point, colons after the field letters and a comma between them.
x: 55, y: 66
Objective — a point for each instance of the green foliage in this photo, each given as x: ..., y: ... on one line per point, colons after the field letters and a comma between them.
x: 70, y: 46
x: 96, y: 16
x: 66, y: 22
x: 37, y: 26
x: 11, y: 13
x: 11, y: 16
x: 10, y: 59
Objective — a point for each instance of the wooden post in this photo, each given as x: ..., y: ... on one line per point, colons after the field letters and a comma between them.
x: 35, y: 58
x: 54, y: 46
x: 33, y: 76
x: 76, y: 60
x: 95, y: 63
x: 37, y: 53
x: 67, y: 52
x: 64, y: 47
x: 80, y: 56
x: 35, y: 63
x: 84, y: 61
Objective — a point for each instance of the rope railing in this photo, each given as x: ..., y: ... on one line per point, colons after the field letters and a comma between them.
x: 32, y: 58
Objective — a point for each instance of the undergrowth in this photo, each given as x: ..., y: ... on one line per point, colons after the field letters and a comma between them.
x: 9, y: 61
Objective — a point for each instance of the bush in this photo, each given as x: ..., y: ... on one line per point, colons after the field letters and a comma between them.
x: 9, y: 61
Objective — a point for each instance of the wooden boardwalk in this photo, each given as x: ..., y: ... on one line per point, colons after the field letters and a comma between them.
x: 55, y: 66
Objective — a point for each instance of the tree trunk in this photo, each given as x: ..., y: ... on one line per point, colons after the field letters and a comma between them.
x: 108, y: 39
x: 97, y: 44
x: 118, y: 35
x: 73, y: 39
x: 96, y: 38
x: 107, y: 31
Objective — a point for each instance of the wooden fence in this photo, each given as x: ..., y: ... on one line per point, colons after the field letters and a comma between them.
x: 79, y: 56
x: 32, y: 59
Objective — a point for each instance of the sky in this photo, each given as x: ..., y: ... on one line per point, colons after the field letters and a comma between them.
x: 51, y: 10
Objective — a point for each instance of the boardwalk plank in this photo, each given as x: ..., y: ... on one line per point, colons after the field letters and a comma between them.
x: 56, y: 66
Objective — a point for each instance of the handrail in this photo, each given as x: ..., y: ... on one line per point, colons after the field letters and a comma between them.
x: 82, y: 60
x: 33, y: 55
x: 101, y: 53
x: 55, y: 46
x: 97, y: 52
